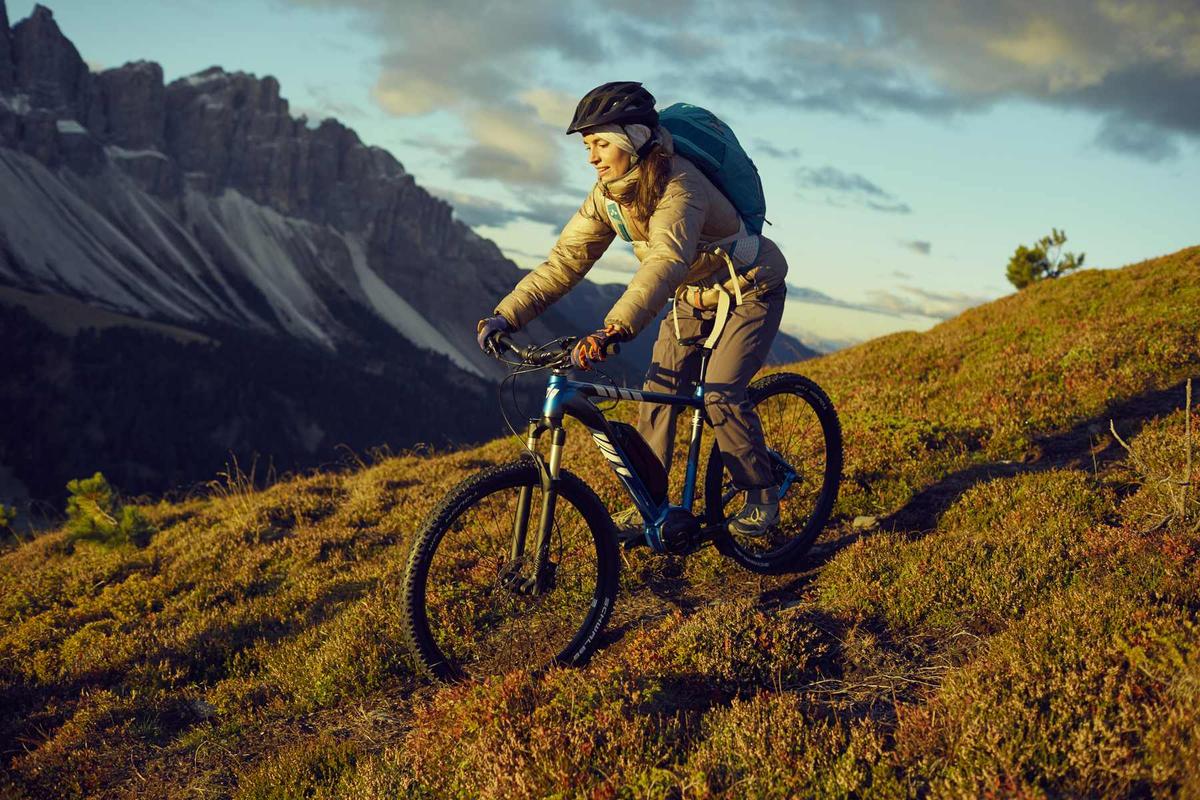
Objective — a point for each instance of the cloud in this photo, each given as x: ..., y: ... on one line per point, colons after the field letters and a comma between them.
x: 889, y: 207
x: 768, y: 149
x: 833, y: 178
x: 515, y: 253
x: 479, y: 211
x: 806, y: 294
x: 917, y: 246
x: 472, y: 61
x: 456, y: 53
x: 1138, y: 139
x: 549, y: 212
x: 438, y: 146
x: 851, y: 186
x: 405, y: 95
x: 1135, y: 64
x: 905, y: 300
x: 831, y: 77
x: 669, y: 40
x: 327, y: 104
x: 552, y: 107
x: 913, y: 300
x: 510, y: 146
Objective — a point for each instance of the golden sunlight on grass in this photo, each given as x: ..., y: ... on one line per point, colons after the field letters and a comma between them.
x: 1021, y: 621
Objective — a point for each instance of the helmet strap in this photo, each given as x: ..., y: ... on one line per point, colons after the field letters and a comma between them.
x: 644, y: 150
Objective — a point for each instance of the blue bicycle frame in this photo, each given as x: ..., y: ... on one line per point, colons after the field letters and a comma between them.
x: 566, y: 397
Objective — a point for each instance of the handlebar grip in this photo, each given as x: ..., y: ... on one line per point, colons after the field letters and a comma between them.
x: 529, y: 355
x: 504, y: 342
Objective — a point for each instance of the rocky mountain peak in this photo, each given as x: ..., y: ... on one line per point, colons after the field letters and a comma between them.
x: 6, y: 56
x: 130, y: 108
x: 48, y: 68
x: 242, y: 90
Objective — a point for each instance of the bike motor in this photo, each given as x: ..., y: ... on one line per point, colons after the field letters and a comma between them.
x: 680, y: 532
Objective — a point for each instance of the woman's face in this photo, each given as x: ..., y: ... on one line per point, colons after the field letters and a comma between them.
x: 609, y: 160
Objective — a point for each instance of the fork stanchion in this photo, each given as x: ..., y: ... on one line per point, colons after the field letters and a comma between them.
x: 541, y: 564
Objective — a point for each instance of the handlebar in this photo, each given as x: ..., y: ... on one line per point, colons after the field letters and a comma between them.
x: 555, y: 353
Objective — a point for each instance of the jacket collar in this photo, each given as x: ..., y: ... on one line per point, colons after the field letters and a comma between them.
x: 622, y: 188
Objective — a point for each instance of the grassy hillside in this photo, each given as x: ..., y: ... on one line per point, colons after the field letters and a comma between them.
x: 1022, y: 620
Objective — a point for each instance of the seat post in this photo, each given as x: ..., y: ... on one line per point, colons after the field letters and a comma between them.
x: 693, y: 460
x: 705, y: 357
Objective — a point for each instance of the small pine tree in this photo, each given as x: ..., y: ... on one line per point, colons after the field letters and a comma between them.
x: 8, y: 515
x: 93, y: 513
x: 1044, y: 260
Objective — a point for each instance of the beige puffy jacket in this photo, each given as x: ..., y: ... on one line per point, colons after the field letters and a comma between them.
x: 692, y: 213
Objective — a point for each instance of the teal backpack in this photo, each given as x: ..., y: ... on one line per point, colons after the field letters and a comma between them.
x: 707, y: 142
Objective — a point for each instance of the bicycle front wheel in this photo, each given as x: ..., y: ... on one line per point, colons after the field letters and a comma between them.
x: 804, y: 442
x: 471, y: 607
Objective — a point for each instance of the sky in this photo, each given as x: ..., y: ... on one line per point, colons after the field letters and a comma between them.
x: 905, y: 149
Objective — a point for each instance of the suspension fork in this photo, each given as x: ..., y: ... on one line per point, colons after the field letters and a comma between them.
x: 521, y: 521
x: 541, y: 564
x: 539, y: 581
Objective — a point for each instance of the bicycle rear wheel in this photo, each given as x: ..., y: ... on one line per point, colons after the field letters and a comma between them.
x: 469, y: 608
x: 804, y: 440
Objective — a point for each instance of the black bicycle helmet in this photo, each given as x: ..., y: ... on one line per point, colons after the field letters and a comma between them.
x: 622, y: 102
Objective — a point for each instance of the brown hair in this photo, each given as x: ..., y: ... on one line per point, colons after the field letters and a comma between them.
x: 652, y: 182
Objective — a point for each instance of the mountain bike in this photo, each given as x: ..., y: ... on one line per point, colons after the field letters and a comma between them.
x: 518, y: 565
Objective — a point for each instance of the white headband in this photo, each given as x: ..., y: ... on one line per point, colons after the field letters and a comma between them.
x: 627, y: 137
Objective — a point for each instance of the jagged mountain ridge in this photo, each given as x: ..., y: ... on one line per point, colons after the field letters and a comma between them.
x: 205, y: 200
x: 297, y: 252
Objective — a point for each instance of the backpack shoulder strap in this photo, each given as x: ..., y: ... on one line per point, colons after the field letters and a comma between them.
x: 617, y: 218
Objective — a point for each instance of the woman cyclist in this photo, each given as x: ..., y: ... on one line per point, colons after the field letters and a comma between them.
x: 676, y: 219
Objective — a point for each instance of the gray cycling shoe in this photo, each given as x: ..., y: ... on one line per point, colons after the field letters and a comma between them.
x: 760, y: 513
x: 628, y: 520
x: 755, y: 519
x: 631, y: 532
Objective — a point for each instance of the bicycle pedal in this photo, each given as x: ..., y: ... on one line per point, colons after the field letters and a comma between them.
x: 632, y: 539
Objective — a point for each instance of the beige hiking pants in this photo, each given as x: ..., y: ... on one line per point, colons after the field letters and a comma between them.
x: 739, y: 354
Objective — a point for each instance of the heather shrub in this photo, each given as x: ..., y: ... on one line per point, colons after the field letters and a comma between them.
x: 316, y: 767
x: 1166, y: 495
x: 358, y: 651
x: 736, y: 647
x: 565, y: 733
x: 1002, y: 548
x: 1094, y: 694
x: 773, y: 746
x: 100, y: 741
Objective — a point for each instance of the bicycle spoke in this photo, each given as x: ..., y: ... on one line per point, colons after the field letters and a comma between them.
x: 478, y: 611
x: 796, y: 443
